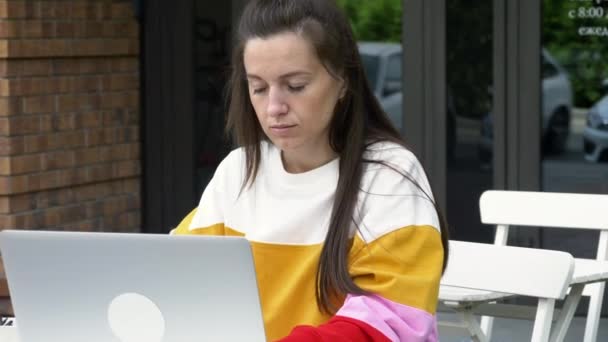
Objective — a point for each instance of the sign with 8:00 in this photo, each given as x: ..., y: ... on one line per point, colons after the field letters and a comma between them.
x: 590, y: 15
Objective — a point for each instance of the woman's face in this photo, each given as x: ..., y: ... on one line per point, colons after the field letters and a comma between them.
x: 292, y: 93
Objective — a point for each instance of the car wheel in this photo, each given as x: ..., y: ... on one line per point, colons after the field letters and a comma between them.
x: 558, y: 130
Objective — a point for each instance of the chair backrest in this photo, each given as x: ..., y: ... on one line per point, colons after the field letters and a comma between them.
x: 508, y: 269
x: 544, y: 209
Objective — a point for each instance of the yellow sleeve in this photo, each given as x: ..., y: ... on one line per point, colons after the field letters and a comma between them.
x: 403, y: 266
x: 184, y: 225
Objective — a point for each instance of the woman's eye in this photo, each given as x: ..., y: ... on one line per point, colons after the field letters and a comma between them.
x: 259, y: 90
x: 296, y: 89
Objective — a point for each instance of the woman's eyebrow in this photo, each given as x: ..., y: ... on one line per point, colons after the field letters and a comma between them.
x: 284, y: 76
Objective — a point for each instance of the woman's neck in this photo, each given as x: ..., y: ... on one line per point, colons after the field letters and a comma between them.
x: 302, y: 161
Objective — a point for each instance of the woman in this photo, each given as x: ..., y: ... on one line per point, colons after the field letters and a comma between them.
x: 346, y: 237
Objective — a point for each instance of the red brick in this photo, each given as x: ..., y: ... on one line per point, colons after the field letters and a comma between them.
x: 25, y: 164
x: 11, y: 145
x: 80, y: 66
x: 14, y: 9
x: 93, y: 29
x: 55, y: 9
x: 94, y: 137
x: 4, y: 126
x: 72, y: 102
x: 125, y: 65
x: 57, y: 160
x: 100, y: 172
x: 88, y: 119
x: 67, y: 178
x: 68, y: 139
x: 67, y: 103
x: 10, y: 185
x: 86, y: 156
x: 36, y: 143
x: 126, y: 168
x: 39, y: 104
x: 122, y: 10
x: 5, y: 166
x: 10, y: 106
x: 20, y: 125
x: 63, y: 122
x: 86, y: 83
x: 36, y: 29
x: 66, y: 29
x: 20, y: 203
x: 35, y: 68
x: 7, y: 68
x: 46, y: 123
x: 9, y: 29
x: 3, y: 9
x: 120, y: 82
x: 49, y: 179
x: 4, y: 204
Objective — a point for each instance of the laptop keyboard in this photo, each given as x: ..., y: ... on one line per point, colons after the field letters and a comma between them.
x: 6, y: 321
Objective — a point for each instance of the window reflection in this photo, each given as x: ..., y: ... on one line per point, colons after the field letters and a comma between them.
x: 470, y: 124
x: 377, y: 27
x: 575, y: 101
x: 575, y: 108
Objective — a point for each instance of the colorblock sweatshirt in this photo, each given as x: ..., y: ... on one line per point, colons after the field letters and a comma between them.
x: 396, y: 254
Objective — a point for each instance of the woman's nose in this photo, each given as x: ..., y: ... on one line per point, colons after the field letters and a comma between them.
x: 276, y: 103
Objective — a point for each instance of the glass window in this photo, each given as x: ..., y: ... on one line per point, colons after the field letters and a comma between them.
x: 371, y: 65
x: 377, y: 28
x: 548, y: 69
x: 574, y: 113
x: 393, y: 77
x: 469, y: 119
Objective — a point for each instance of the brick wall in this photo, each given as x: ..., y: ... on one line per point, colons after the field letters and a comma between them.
x: 69, y: 116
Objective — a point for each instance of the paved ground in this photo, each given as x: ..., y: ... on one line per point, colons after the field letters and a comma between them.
x: 510, y: 330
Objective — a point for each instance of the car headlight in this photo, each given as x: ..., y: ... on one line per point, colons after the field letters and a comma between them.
x: 595, y: 120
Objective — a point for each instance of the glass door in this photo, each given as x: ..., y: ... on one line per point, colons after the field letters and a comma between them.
x: 469, y: 116
x: 574, y: 113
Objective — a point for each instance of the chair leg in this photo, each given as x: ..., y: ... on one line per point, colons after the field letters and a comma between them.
x: 487, y: 324
x: 472, y: 326
x: 595, y: 309
x: 558, y: 333
x: 543, y: 320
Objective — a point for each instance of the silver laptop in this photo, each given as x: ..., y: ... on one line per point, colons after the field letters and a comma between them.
x: 111, y: 287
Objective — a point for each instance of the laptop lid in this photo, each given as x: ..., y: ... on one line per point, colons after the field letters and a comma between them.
x: 70, y: 286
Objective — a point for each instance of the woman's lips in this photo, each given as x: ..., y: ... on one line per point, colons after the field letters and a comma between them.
x: 281, y: 129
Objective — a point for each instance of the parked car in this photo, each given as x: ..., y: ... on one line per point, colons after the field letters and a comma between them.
x: 383, y: 66
x: 595, y: 135
x: 556, y: 111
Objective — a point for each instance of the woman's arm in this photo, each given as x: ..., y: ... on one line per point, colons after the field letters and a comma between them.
x: 397, y: 258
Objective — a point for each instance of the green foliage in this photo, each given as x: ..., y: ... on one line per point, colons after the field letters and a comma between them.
x: 469, y: 45
x: 374, y: 20
x: 584, y: 57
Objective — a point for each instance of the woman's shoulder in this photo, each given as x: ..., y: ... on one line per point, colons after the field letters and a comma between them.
x: 388, y: 154
x: 234, y: 164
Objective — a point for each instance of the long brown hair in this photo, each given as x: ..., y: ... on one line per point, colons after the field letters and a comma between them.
x: 358, y: 122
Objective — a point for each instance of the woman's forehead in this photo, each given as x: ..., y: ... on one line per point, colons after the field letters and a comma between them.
x: 279, y: 54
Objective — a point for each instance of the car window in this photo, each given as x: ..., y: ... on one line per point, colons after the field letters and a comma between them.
x: 393, y: 68
x: 393, y: 75
x: 549, y: 70
x: 371, y: 65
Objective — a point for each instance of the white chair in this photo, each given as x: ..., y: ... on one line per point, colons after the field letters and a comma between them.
x: 544, y: 209
x: 8, y: 334
x: 509, y: 270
